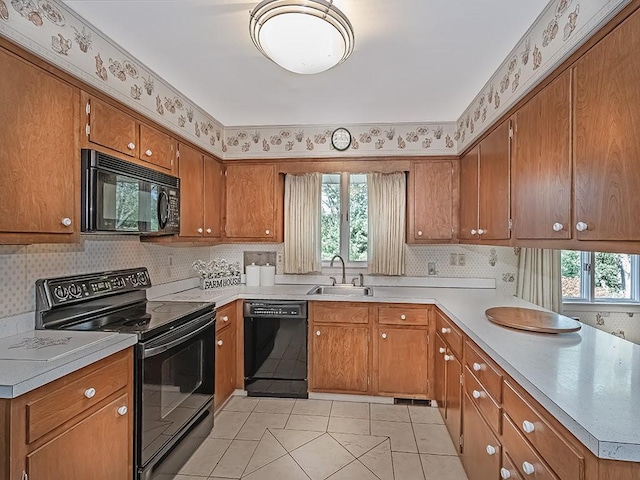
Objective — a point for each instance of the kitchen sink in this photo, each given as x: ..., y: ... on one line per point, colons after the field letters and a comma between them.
x: 342, y: 290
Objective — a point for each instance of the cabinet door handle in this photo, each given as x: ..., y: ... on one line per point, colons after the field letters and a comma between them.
x: 225, y: 318
x: 445, y: 330
x: 581, y: 226
x: 148, y: 153
x: 480, y: 231
x: 131, y: 146
x: 476, y: 394
x: 528, y: 427
x: 200, y: 230
x: 477, y: 367
x: 208, y: 230
x: 66, y: 221
x: 122, y: 411
x: 384, y: 335
x: 528, y: 468
x: 90, y: 392
x: 442, y: 350
x: 448, y: 358
x: 318, y: 333
x: 504, y: 473
x: 220, y: 342
x: 558, y: 227
x: 474, y: 231
x: 267, y: 232
x: 491, y: 450
x: 419, y: 233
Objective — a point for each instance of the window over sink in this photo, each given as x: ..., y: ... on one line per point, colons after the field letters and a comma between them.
x: 344, y: 219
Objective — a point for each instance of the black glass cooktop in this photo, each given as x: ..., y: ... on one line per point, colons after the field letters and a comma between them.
x: 145, y: 318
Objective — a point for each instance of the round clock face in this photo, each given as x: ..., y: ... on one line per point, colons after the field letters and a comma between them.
x: 341, y: 139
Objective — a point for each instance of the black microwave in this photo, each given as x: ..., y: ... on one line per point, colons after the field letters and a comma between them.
x: 124, y: 197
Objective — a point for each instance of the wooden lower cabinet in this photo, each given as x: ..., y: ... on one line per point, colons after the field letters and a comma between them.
x: 339, y: 358
x: 44, y: 436
x: 76, y: 454
x: 453, y: 400
x: 402, y: 360
x: 440, y: 370
x: 481, y: 454
x: 225, y: 380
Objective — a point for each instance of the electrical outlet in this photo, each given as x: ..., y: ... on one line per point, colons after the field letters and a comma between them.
x: 453, y: 259
x: 462, y: 259
x: 431, y: 268
x: 170, y: 260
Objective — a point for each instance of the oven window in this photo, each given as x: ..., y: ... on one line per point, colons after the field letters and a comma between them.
x: 182, y: 375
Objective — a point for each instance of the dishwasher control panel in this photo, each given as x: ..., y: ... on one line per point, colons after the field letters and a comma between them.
x: 275, y: 309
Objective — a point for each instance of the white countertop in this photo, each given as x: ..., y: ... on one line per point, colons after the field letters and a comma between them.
x: 32, y: 359
x: 588, y: 380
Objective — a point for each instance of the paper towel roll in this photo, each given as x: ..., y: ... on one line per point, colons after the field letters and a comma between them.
x: 253, y: 275
x: 267, y: 275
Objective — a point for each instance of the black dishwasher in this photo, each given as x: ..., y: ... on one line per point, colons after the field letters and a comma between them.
x: 275, y: 348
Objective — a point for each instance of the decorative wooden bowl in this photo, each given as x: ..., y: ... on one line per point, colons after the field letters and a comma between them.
x: 532, y: 320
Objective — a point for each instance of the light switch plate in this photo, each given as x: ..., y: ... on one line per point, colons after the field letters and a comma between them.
x: 453, y: 259
x: 462, y: 259
x: 431, y: 268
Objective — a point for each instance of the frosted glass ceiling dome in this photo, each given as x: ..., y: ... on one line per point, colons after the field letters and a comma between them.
x: 303, y: 36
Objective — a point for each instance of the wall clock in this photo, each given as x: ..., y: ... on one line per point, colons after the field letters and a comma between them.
x: 341, y: 139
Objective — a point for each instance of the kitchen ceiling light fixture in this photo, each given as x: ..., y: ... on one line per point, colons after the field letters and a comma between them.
x: 302, y: 36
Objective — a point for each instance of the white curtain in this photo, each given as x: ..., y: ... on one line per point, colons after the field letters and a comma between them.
x: 539, y: 278
x: 302, y: 196
x: 387, y: 206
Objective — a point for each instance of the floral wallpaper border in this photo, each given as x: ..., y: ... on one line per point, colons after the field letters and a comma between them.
x: 53, y: 31
x: 562, y: 27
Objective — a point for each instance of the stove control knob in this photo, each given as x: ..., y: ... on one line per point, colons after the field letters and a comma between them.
x: 142, y: 278
x: 75, y: 291
x: 61, y: 292
x: 134, y: 280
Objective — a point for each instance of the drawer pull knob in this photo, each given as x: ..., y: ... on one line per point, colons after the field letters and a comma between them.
x: 558, y: 227
x: 448, y: 358
x: 581, y: 226
x: 267, y: 232
x: 474, y: 231
x: 318, y: 333
x: 528, y: 427
x: 442, y: 350
x: 225, y: 318
x: 384, y: 335
x: 445, y: 330
x: 477, y: 367
x: 480, y: 231
x: 208, y: 230
x: 220, y: 342
x: 491, y: 450
x: 148, y: 153
x: 66, y: 221
x: 476, y: 394
x: 122, y: 411
x: 504, y: 473
x: 403, y: 317
x: 131, y: 146
x: 90, y: 392
x: 528, y: 468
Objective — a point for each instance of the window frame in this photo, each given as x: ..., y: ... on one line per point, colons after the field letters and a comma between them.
x: 587, y: 287
x: 345, y: 223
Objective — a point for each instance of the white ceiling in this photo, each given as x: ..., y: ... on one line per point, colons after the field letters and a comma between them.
x: 414, y: 60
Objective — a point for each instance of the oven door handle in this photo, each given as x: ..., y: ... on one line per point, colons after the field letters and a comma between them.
x: 150, y: 352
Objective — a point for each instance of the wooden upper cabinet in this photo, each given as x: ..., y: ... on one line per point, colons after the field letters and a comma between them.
x: 468, y: 213
x: 157, y: 147
x: 254, y: 202
x: 191, y: 192
x: 213, y: 197
x: 39, y: 154
x: 494, y: 182
x: 431, y: 201
x: 607, y: 138
x: 111, y: 128
x: 542, y: 164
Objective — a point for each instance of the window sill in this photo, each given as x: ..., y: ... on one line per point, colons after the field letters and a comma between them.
x: 615, y: 307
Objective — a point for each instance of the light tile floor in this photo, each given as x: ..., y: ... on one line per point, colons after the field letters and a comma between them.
x: 283, y: 439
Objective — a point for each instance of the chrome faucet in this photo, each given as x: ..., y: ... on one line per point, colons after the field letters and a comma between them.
x: 344, y: 275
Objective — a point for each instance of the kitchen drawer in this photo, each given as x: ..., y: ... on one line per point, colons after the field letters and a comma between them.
x: 450, y: 333
x: 488, y: 407
x: 70, y: 398
x: 523, y: 454
x: 509, y: 470
x: 403, y: 315
x: 338, y: 312
x: 565, y: 461
x: 225, y: 316
x: 484, y: 369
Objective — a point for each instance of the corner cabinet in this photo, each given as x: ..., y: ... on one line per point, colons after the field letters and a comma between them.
x: 606, y: 140
x: 432, y: 186
x: 91, y: 437
x: 39, y: 154
x: 542, y: 164
x: 201, y: 195
x: 485, y: 188
x: 254, y: 203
